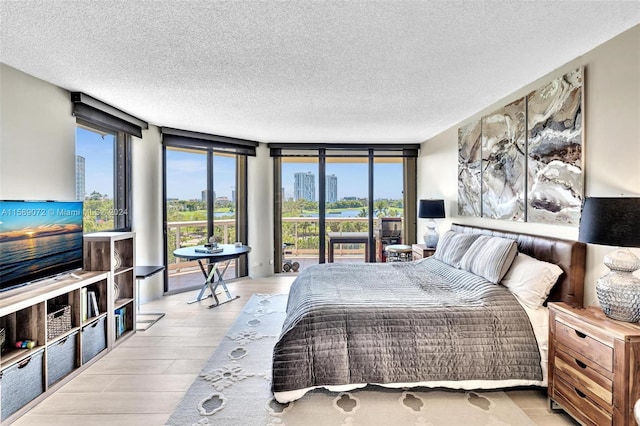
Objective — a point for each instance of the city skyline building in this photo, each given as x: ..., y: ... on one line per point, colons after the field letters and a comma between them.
x: 331, y: 188
x: 304, y: 186
x: 81, y: 190
x: 204, y: 195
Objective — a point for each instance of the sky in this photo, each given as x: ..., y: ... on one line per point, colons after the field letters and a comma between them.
x: 187, y: 175
x: 98, y: 153
x: 187, y: 172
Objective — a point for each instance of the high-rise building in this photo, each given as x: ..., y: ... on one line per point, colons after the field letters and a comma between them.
x: 81, y: 190
x: 304, y: 186
x: 331, y: 188
x: 203, y: 196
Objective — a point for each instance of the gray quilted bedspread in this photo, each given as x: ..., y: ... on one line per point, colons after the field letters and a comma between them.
x: 402, y: 322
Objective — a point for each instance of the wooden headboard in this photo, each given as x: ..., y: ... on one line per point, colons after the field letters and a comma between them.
x: 568, y: 255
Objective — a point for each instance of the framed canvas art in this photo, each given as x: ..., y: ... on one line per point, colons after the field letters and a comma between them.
x: 503, y: 162
x: 554, y: 155
x: 469, y: 169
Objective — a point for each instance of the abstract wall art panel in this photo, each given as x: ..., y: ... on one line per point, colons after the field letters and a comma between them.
x: 555, y: 146
x: 504, y: 162
x: 469, y: 169
x: 524, y: 161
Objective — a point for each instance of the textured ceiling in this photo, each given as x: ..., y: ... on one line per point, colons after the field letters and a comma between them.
x: 318, y: 71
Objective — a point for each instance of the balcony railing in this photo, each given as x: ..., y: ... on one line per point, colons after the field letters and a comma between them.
x: 193, y: 233
x: 300, y: 232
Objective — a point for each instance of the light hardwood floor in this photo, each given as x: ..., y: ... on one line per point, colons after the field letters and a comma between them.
x: 143, y: 379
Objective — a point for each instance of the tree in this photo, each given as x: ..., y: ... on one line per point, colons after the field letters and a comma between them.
x: 382, y: 207
x: 97, y: 213
x: 95, y: 195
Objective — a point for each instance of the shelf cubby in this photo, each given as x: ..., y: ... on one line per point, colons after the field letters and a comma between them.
x: 115, y: 251
x: 24, y: 324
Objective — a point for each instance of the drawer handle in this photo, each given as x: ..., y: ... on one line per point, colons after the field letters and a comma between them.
x: 580, y: 335
x: 580, y: 394
x: 24, y: 363
x: 581, y: 364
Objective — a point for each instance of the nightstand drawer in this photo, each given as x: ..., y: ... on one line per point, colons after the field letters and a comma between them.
x: 580, y: 405
x: 584, y: 344
x: 580, y: 375
x: 421, y: 252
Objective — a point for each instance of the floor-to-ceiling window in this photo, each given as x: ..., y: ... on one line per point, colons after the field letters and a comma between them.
x: 389, y: 203
x: 331, y: 201
x: 103, y: 162
x: 299, y: 232
x: 205, y: 200
x: 95, y: 177
x: 347, y: 208
x: 186, y: 211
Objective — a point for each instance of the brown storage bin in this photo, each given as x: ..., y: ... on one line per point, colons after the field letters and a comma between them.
x: 58, y: 321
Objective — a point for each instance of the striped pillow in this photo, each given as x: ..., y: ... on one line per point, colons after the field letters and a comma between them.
x: 490, y: 257
x: 452, y: 246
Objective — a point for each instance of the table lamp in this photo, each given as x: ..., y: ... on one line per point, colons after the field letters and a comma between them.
x: 431, y: 209
x: 615, y: 222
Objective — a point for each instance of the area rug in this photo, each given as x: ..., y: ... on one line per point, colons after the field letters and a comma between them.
x: 234, y: 389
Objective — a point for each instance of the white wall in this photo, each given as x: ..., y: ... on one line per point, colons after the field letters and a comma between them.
x: 260, y: 207
x: 147, y: 208
x: 611, y: 150
x: 37, y: 139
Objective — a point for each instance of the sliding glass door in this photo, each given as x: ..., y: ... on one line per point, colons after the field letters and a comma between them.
x: 388, y: 204
x: 347, y: 209
x: 300, y: 213
x: 200, y: 205
x: 341, y: 205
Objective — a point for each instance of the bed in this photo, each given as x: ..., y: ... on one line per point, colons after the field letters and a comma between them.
x: 445, y: 321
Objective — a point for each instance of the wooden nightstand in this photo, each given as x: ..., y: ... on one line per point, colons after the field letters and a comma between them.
x: 594, y: 365
x: 419, y: 251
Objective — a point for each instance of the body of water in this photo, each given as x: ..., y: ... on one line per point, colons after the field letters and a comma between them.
x: 340, y: 214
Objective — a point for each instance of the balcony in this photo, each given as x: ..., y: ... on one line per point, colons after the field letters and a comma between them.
x: 300, y: 232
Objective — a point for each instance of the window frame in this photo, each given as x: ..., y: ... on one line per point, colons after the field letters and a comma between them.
x: 322, y: 151
x: 122, y: 198
x: 210, y: 145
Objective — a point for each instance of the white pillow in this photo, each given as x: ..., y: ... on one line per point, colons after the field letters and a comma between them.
x: 531, y: 280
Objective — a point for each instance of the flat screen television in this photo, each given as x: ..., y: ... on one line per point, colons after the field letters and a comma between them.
x: 38, y: 239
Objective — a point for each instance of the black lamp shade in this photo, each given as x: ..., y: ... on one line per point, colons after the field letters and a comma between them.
x: 610, y: 221
x: 431, y: 209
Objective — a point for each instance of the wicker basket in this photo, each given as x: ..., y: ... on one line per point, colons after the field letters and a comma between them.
x: 58, y: 321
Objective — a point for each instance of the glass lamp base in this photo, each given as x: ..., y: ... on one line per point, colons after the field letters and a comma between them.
x: 618, y: 291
